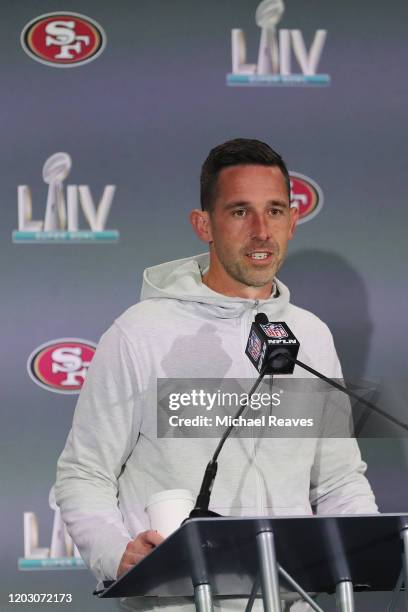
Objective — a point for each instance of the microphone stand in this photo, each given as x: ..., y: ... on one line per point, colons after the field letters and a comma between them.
x: 344, y: 389
x: 203, y: 499
x: 200, y: 509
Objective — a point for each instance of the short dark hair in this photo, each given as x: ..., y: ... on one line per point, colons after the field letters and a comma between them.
x: 237, y: 152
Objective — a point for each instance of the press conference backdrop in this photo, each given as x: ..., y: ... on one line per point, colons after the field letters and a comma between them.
x: 132, y: 95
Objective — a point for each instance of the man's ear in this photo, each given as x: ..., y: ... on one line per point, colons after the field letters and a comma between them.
x: 200, y: 220
x: 294, y: 217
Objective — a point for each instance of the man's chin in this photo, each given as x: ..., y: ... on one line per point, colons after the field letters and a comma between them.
x: 259, y: 285
x: 251, y: 276
x: 257, y: 280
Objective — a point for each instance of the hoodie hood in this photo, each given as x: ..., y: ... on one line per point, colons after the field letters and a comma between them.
x: 182, y: 280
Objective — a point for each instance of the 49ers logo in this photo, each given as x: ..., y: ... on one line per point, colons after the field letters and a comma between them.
x: 61, y: 365
x: 306, y: 195
x: 63, y: 39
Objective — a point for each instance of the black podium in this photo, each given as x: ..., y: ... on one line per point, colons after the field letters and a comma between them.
x: 223, y: 557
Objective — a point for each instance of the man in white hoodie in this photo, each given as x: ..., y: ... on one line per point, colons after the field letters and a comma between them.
x: 193, y: 321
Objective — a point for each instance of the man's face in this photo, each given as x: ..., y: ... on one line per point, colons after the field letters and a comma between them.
x: 251, y: 223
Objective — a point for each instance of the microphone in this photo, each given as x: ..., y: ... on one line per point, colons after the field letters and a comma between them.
x: 272, y: 345
x: 272, y: 348
x: 267, y: 341
x: 270, y: 358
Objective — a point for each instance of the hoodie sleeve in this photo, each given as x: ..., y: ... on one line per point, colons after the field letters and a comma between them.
x: 104, y: 432
x: 337, y: 482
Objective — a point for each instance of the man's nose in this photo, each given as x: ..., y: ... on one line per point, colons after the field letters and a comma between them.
x: 260, y: 227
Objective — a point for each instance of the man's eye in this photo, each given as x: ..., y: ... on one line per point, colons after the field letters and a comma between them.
x: 240, y: 212
x: 276, y: 212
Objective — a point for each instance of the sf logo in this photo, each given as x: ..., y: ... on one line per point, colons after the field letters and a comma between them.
x: 69, y: 362
x: 61, y: 365
x: 62, y: 34
x: 63, y: 39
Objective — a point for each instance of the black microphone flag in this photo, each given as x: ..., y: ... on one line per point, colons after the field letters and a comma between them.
x: 269, y: 342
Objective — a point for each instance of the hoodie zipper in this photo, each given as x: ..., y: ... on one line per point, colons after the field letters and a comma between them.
x: 259, y: 488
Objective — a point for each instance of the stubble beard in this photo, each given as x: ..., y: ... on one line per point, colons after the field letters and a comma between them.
x: 242, y: 272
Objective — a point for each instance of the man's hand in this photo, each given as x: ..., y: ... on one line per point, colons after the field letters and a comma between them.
x: 139, y: 548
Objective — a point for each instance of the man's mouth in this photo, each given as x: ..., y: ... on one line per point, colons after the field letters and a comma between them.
x: 259, y: 255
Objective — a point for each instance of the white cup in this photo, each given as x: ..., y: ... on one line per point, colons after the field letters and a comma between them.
x: 168, y: 509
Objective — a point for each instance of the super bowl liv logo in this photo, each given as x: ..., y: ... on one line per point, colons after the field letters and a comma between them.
x: 274, y: 65
x: 61, y: 220
x: 61, y: 553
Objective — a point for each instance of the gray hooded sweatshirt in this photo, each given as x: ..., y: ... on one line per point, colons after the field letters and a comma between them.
x: 113, y: 460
